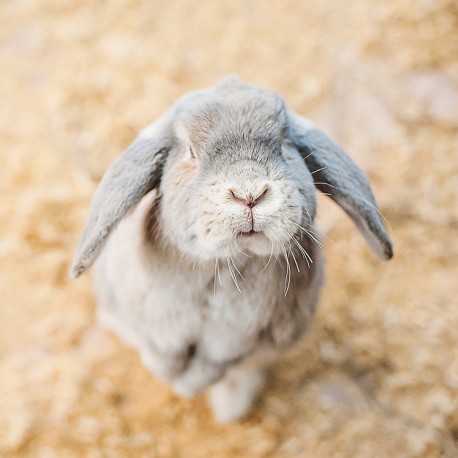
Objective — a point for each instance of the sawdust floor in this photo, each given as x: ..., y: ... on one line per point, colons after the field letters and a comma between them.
x: 377, y: 375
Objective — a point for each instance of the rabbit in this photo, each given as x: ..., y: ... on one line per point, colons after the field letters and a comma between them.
x: 208, y: 259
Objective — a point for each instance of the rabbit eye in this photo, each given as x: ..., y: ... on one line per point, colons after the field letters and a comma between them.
x: 192, y: 153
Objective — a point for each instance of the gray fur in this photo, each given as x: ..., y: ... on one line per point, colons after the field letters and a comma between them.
x: 206, y: 305
x: 135, y: 173
x: 336, y: 174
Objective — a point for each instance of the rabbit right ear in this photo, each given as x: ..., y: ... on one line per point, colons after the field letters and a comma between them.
x: 136, y: 172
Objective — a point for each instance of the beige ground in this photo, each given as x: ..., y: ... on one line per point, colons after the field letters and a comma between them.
x: 377, y: 376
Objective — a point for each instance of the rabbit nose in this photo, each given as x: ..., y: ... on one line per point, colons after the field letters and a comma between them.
x: 249, y: 200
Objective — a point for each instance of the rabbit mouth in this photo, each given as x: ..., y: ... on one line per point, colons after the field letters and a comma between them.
x: 249, y: 233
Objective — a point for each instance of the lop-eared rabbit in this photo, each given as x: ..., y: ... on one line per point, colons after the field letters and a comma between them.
x: 208, y: 259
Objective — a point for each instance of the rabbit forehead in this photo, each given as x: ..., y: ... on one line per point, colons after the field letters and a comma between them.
x: 243, y: 120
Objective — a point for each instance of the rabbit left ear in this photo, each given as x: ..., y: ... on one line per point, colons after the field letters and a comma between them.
x: 136, y: 172
x: 335, y: 173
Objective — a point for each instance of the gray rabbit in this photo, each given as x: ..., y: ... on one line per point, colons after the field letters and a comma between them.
x: 211, y: 264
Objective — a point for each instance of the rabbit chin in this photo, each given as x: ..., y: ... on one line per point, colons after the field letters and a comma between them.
x: 257, y: 244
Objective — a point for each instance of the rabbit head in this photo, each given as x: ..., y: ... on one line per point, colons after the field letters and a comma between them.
x: 234, y: 168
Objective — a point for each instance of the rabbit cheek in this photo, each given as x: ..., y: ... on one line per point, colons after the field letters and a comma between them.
x: 214, y: 230
x: 180, y: 208
x: 282, y: 214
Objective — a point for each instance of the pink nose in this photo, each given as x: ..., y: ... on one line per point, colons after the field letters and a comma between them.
x: 250, y: 201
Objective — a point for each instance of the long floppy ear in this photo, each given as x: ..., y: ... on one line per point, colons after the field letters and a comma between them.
x: 136, y: 172
x: 335, y: 173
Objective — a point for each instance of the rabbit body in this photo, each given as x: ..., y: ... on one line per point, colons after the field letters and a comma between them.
x: 190, y: 323
x: 212, y: 263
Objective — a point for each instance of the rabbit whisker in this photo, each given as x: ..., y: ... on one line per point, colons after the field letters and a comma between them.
x: 214, y: 278
x: 310, y: 235
x: 232, y: 254
x: 308, y: 214
x: 268, y: 261
x: 234, y: 279
x: 360, y: 199
x: 200, y: 252
x: 319, y: 170
x: 294, y: 257
x: 238, y: 248
x: 288, y: 270
x: 302, y: 250
x: 188, y: 187
x: 237, y: 270
x: 309, y: 154
x: 318, y: 234
x: 219, y: 274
